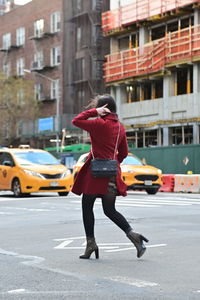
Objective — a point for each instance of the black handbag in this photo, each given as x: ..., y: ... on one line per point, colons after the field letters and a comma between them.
x: 105, y: 167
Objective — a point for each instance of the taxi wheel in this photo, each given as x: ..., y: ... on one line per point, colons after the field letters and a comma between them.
x: 151, y: 191
x: 63, y: 193
x: 16, y: 188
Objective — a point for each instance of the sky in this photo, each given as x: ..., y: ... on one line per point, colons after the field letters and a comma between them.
x: 22, y: 1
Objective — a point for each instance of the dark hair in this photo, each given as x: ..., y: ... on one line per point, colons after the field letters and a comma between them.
x: 102, y: 100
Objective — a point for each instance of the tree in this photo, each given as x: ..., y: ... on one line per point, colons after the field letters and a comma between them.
x: 17, y: 104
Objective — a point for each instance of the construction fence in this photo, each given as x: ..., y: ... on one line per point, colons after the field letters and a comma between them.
x: 139, y: 10
x: 175, y: 48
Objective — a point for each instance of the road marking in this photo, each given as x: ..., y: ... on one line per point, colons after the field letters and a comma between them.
x: 28, y: 209
x: 131, y: 248
x: 6, y: 213
x: 134, y: 282
x: 123, y: 204
x: 108, y: 247
x: 31, y: 259
x: 18, y: 291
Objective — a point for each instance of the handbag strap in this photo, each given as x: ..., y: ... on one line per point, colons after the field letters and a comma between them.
x: 115, y: 145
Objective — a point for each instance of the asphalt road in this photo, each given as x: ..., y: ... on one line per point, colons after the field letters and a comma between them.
x: 41, y: 238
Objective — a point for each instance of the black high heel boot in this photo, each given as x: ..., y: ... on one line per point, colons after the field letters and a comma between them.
x: 90, y: 248
x: 137, y: 239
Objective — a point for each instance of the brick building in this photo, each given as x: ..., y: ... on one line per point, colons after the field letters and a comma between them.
x: 58, y: 45
x: 153, y: 69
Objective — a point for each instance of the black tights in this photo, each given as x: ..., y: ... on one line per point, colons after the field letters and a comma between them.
x: 108, y: 203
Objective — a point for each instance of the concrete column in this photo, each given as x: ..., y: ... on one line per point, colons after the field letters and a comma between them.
x: 168, y: 91
x: 120, y: 97
x: 113, y: 92
x: 166, y: 136
x: 196, y: 134
x: 136, y: 139
x: 144, y: 139
x: 143, y: 36
x: 196, y: 16
x: 159, y: 137
x: 196, y: 78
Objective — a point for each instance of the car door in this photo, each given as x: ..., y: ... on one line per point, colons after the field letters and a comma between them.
x: 6, y: 170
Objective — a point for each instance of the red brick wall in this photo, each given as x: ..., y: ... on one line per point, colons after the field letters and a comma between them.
x: 25, y: 16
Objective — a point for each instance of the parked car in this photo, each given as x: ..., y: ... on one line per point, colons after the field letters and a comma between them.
x: 136, y: 174
x: 26, y: 171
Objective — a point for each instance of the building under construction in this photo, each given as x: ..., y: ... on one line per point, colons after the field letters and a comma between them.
x: 153, y: 69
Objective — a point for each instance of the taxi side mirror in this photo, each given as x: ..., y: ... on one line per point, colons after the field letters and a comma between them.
x: 7, y: 163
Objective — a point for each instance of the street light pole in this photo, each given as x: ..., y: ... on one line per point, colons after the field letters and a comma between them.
x: 57, y: 106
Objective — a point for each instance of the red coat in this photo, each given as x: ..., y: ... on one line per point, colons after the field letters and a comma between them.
x: 103, y: 133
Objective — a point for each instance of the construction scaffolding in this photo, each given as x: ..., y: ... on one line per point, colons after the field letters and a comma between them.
x: 182, y: 46
x: 138, y: 11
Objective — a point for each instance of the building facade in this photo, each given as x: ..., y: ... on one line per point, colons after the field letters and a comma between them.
x: 153, y: 69
x: 6, y: 5
x: 57, y: 44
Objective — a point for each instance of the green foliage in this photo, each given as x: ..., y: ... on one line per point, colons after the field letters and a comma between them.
x: 17, y: 104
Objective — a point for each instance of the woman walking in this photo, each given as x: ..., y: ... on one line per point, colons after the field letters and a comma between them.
x: 107, y: 134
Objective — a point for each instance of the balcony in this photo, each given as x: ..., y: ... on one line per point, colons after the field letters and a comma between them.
x: 179, y: 47
x: 139, y: 10
x: 42, y: 35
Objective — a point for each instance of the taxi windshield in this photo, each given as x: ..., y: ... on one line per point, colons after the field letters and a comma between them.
x: 132, y: 160
x: 35, y: 158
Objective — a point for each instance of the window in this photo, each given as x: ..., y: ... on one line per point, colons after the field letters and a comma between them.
x: 55, y: 21
x: 20, y: 66
x: 3, y: 2
x: 80, y: 69
x: 78, y: 6
x: 39, y: 91
x: 20, y: 36
x: 7, y: 69
x: 78, y: 38
x: 38, y: 60
x: 55, y: 89
x: 80, y: 99
x: 55, y: 56
x: 39, y: 27
x: 6, y: 41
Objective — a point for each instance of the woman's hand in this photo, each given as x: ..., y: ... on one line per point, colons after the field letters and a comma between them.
x: 102, y: 111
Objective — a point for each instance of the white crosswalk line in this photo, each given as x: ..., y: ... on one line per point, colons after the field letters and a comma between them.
x: 151, y: 201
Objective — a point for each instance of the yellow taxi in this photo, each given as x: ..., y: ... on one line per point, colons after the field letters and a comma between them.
x: 136, y: 174
x: 26, y: 171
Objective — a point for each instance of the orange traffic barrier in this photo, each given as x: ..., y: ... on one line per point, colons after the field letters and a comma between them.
x: 168, y: 183
x: 187, y: 183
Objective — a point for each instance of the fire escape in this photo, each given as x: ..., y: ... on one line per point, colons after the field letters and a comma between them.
x: 92, y: 70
